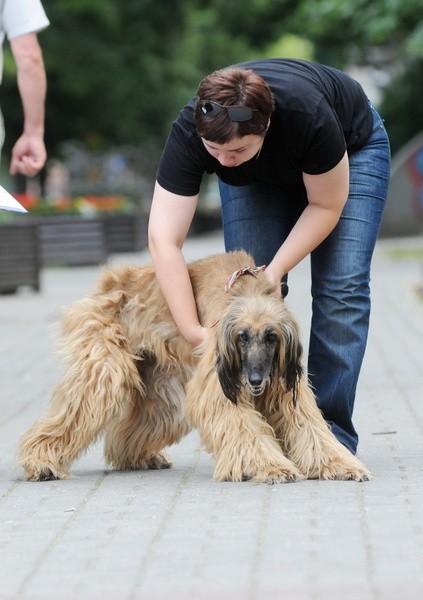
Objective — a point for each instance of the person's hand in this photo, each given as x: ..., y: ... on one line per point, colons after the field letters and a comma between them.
x: 197, y: 337
x: 28, y: 156
x: 273, y: 278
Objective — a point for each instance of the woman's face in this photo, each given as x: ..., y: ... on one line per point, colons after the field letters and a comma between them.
x: 235, y: 152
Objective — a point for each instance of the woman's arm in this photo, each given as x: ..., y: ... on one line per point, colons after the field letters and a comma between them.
x: 170, y: 218
x: 327, y: 194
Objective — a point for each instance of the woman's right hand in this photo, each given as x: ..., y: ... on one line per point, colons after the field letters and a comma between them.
x: 198, y: 337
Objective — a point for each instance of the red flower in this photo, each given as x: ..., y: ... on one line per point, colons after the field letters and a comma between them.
x: 28, y: 201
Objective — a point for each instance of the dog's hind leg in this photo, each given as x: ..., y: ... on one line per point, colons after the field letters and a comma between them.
x: 308, y: 441
x: 101, y: 375
x: 152, y: 421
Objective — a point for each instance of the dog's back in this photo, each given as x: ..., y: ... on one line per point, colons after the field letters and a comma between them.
x: 209, y: 277
x: 131, y: 294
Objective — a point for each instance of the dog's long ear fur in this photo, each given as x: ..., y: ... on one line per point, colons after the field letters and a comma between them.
x: 291, y: 369
x: 228, y: 362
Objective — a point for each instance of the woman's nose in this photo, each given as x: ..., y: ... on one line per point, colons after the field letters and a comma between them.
x: 226, y: 161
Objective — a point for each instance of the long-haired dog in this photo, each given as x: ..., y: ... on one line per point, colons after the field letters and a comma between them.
x: 131, y: 375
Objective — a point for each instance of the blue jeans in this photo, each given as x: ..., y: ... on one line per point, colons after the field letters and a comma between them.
x: 258, y: 218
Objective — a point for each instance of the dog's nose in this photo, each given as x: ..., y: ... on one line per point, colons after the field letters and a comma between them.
x: 255, y: 379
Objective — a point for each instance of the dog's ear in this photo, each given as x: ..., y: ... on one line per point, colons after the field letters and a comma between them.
x: 228, y: 363
x: 229, y: 378
x: 291, y: 368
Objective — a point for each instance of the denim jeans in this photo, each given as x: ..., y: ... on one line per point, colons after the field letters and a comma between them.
x: 258, y: 218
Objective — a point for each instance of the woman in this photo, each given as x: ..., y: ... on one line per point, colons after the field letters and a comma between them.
x: 303, y: 165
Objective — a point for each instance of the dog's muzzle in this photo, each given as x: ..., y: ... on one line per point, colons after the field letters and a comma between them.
x: 256, y: 388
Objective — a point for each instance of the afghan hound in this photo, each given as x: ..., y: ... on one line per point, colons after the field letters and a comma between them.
x: 130, y: 375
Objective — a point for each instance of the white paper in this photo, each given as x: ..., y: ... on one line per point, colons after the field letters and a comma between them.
x: 8, y: 202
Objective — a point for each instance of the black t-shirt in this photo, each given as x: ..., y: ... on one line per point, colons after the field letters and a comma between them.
x: 319, y: 113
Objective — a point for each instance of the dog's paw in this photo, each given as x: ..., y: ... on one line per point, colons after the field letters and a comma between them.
x: 345, y: 472
x: 356, y: 475
x: 283, y: 471
x: 277, y: 475
x: 158, y: 462
x: 43, y: 474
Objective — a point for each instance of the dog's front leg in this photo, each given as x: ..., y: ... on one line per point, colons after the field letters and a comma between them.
x: 242, y: 442
x: 309, y: 442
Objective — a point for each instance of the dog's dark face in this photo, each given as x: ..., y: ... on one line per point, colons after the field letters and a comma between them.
x: 258, y: 352
x: 257, y: 344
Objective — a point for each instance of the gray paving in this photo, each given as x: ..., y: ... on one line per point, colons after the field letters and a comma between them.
x: 176, y: 534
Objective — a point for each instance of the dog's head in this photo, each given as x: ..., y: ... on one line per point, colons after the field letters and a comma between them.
x: 258, y: 344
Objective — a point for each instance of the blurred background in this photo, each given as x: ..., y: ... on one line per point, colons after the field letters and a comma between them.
x: 119, y: 72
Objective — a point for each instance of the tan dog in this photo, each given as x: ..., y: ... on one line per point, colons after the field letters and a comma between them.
x: 132, y: 376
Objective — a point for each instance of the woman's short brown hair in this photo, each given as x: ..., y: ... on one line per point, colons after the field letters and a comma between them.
x: 228, y: 87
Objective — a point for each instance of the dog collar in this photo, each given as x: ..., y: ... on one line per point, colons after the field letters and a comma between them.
x: 246, y: 270
x: 232, y: 278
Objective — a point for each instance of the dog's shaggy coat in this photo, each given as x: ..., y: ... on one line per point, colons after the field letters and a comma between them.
x: 130, y: 375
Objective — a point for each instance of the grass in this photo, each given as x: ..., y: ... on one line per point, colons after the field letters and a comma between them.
x: 406, y: 253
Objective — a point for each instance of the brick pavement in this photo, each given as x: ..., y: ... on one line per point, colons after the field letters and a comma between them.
x: 178, y: 535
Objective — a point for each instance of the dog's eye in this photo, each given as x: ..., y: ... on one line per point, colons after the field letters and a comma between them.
x: 271, y: 337
x: 243, y: 337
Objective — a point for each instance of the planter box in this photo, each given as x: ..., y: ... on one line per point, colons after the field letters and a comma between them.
x: 205, y: 221
x: 42, y: 241
x: 71, y: 241
x: 126, y: 233
x: 19, y: 257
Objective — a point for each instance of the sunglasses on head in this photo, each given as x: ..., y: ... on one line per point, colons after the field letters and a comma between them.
x: 237, y: 114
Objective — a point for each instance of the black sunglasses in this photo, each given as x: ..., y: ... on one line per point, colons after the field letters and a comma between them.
x: 237, y: 114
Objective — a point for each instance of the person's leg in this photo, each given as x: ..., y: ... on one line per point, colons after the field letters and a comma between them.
x: 258, y: 217
x: 340, y: 288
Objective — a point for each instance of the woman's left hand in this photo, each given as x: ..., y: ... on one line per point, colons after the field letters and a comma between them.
x: 273, y: 278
